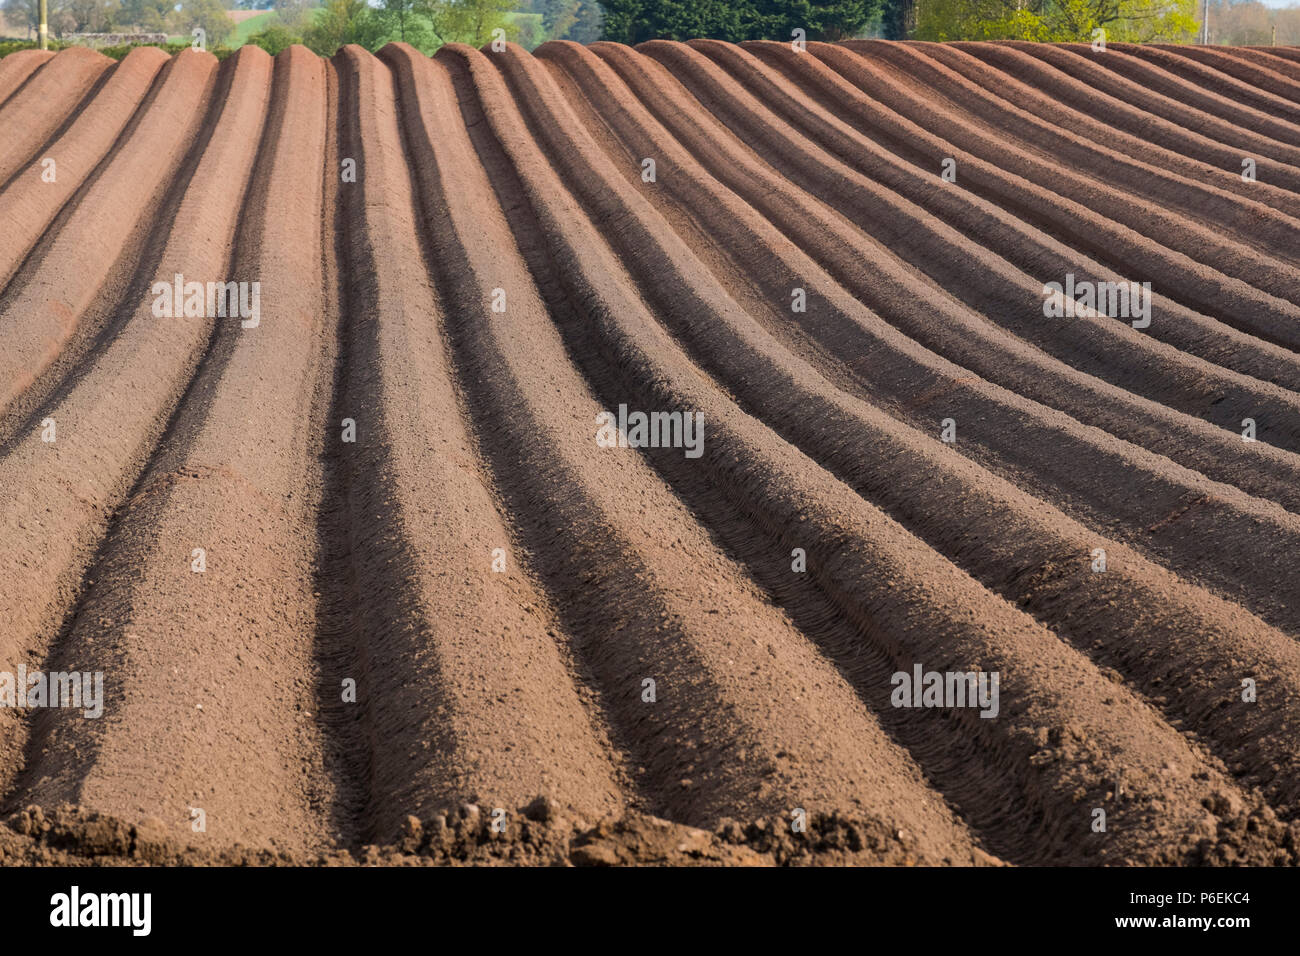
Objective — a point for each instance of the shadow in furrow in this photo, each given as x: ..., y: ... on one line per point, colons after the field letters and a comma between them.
x: 340, y: 647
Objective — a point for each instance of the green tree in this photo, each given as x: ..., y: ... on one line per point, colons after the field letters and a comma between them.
x: 578, y: 20
x: 1135, y: 21
x: 587, y: 28
x: 208, y: 14
x: 296, y: 15
x: 149, y: 16
x: 634, y: 21
x: 339, y: 23
x: 467, y: 21
x: 275, y: 38
x: 819, y: 19
x: 91, y: 16
x: 399, y: 14
x: 898, y: 19
x: 558, y: 16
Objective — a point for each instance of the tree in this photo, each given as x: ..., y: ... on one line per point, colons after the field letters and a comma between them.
x: 467, y: 21
x: 558, y: 16
x: 587, y: 28
x: 578, y: 20
x: 898, y: 19
x: 208, y: 14
x: 149, y: 16
x: 399, y: 13
x: 275, y: 38
x: 819, y: 19
x: 92, y: 16
x: 1134, y: 21
x: 634, y: 21
x: 340, y: 22
x: 24, y: 12
x: 296, y: 15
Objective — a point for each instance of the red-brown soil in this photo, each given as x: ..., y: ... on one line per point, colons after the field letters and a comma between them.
x: 438, y: 623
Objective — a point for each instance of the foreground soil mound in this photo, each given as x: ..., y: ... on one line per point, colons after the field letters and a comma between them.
x: 878, y: 453
x: 73, y: 836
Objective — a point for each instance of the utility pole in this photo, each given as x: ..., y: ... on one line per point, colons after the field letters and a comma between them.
x: 44, y: 28
x: 1274, y: 42
x: 1205, y: 23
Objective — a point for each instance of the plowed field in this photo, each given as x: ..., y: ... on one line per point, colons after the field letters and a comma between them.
x: 360, y: 553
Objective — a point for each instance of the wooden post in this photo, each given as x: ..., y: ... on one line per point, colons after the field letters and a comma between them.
x: 45, y: 28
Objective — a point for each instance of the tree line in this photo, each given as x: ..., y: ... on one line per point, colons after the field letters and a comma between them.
x: 427, y: 24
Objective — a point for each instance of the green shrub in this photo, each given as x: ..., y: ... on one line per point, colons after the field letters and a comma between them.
x: 13, y: 46
x: 275, y: 38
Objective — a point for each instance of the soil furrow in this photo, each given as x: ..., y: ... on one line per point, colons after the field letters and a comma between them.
x: 843, y: 340
x: 1164, y: 120
x: 30, y: 204
x: 36, y: 110
x: 1119, y: 131
x: 469, y: 699
x: 59, y: 496
x: 1113, y: 218
x: 880, y: 200
x: 206, y: 638
x: 502, y: 456
x: 827, y: 425
x: 17, y: 68
x: 1256, y: 75
x: 38, y: 318
x: 782, y: 490
x: 1200, y: 96
x: 746, y: 719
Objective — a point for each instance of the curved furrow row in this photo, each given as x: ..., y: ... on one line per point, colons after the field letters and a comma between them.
x: 37, y: 110
x: 31, y: 202
x: 847, y: 335
x: 1101, y: 129
x: 792, y: 498
x: 1272, y: 61
x: 1199, y: 97
x: 466, y: 694
x: 887, y: 199
x: 1187, y: 123
x: 17, y: 68
x: 1288, y: 53
x: 360, y: 530
x: 852, y: 439
x: 1091, y: 212
x: 43, y: 311
x: 1255, y: 74
x: 745, y: 717
x: 57, y: 496
x: 1031, y: 442
x: 1210, y: 79
x: 934, y: 393
x: 203, y: 589
x: 1264, y: 60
